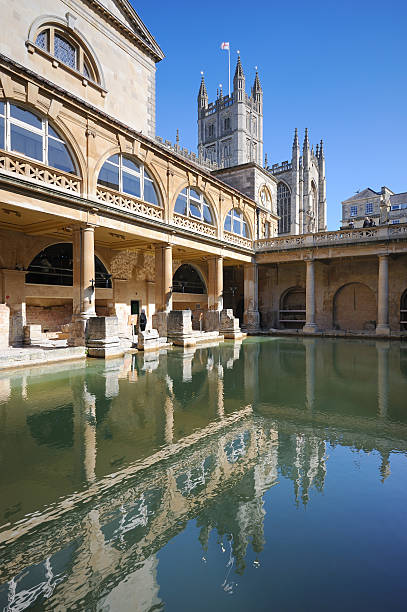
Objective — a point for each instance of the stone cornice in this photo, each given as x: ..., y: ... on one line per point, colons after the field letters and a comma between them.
x: 143, y: 38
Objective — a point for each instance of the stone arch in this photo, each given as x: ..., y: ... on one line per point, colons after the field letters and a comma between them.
x: 189, y: 278
x: 64, y: 24
x: 292, y: 308
x: 60, y: 127
x: 116, y: 150
x: 403, y: 311
x: 54, y: 266
x: 240, y: 210
x: 208, y: 197
x: 354, y: 307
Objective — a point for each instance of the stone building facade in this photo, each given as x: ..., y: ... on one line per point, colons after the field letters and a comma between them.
x: 382, y: 206
x: 230, y: 133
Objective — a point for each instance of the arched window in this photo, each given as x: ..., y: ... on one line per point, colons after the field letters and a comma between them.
x: 29, y: 134
x: 126, y: 175
x: 67, y: 49
x: 283, y: 208
x: 188, y: 280
x: 192, y: 203
x: 265, y: 197
x: 236, y: 223
x: 53, y: 266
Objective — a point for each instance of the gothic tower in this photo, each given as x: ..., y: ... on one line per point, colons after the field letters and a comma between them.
x: 230, y: 130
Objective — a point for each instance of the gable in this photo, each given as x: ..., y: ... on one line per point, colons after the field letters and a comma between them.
x: 366, y: 193
x: 123, y: 12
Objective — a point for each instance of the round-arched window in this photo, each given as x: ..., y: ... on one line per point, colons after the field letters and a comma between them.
x: 29, y: 134
x: 126, y: 175
x: 54, y: 266
x: 192, y: 203
x: 236, y: 223
x: 188, y: 280
x: 68, y: 50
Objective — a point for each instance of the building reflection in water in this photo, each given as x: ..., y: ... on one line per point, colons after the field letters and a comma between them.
x: 215, y: 427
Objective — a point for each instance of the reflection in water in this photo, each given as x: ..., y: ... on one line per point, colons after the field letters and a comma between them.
x: 108, y: 462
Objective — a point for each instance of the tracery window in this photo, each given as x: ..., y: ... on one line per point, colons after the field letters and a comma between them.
x: 236, y: 223
x: 283, y: 208
x: 67, y: 50
x: 29, y: 134
x: 192, y: 203
x: 126, y: 175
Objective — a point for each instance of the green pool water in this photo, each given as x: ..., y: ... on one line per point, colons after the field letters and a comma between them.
x: 264, y: 475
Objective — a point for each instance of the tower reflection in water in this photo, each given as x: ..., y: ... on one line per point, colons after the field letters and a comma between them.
x: 107, y: 462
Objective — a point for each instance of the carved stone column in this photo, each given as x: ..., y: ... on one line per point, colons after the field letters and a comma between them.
x: 163, y: 278
x: 310, y: 326
x: 163, y: 287
x: 383, y: 327
x: 83, y: 267
x: 215, y: 289
x: 251, y: 316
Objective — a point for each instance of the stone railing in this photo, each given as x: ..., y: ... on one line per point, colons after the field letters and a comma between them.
x: 238, y: 240
x: 348, y: 236
x: 278, y: 168
x: 128, y: 203
x: 39, y: 173
x: 207, y: 164
x: 194, y: 225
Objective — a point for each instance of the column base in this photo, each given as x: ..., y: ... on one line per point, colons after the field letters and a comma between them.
x: 382, y: 330
x: 310, y: 328
x: 160, y: 323
x: 251, y: 320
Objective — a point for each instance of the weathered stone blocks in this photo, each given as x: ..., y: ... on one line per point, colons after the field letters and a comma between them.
x: 102, y: 337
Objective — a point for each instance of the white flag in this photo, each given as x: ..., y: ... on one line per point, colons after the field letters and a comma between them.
x: 225, y: 46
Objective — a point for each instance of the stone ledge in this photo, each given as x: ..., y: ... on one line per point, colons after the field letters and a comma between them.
x: 23, y: 357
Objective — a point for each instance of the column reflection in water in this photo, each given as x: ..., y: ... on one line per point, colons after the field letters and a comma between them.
x: 383, y: 350
x: 310, y: 347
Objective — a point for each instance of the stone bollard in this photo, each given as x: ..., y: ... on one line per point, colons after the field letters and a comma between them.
x: 229, y: 325
x: 179, y: 328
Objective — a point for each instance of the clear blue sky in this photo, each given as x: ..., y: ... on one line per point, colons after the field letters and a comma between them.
x: 338, y: 68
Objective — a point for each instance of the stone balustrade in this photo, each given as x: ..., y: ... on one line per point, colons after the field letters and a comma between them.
x: 347, y: 236
x: 194, y: 226
x: 240, y: 241
x: 39, y: 173
x: 128, y: 203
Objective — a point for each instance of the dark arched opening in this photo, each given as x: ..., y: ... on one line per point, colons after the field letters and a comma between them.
x: 188, y: 280
x: 403, y: 312
x: 292, y: 308
x: 54, y: 266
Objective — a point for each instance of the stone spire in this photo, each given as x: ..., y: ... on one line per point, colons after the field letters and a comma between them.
x: 317, y: 151
x: 203, y: 94
x: 321, y: 150
x: 305, y: 146
x: 296, y: 144
x: 256, y: 85
x: 239, y: 83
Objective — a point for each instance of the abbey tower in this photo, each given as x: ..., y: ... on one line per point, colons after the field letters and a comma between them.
x: 230, y: 133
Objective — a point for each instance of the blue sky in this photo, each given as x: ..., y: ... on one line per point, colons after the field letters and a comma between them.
x: 338, y: 68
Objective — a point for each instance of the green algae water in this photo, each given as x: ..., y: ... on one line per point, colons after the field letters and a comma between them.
x: 264, y: 475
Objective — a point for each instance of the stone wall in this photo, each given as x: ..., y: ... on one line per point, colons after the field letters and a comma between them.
x: 51, y: 318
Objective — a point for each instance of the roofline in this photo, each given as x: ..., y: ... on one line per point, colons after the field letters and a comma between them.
x: 112, y: 120
x: 153, y: 49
